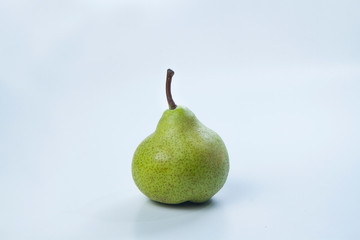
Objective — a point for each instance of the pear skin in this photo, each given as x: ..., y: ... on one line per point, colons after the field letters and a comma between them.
x: 182, y: 160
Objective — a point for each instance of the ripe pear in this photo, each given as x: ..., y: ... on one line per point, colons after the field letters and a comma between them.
x: 182, y: 160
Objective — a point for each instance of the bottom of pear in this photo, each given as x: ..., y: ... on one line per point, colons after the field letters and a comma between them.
x: 185, y: 202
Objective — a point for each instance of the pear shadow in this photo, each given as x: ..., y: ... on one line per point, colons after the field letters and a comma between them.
x: 156, y: 211
x: 136, y: 216
x: 156, y: 219
x: 185, y: 205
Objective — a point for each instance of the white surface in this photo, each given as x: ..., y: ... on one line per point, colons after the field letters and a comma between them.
x: 82, y: 84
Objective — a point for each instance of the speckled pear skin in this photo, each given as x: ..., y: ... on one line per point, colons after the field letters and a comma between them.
x: 181, y: 161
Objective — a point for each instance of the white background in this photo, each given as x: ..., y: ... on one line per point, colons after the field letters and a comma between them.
x: 82, y: 84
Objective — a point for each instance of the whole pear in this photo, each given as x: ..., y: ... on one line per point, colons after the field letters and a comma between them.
x: 182, y: 160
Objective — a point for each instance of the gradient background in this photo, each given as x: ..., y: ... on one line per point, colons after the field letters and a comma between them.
x: 82, y: 84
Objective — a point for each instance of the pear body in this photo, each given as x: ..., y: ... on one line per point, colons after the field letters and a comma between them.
x: 181, y: 161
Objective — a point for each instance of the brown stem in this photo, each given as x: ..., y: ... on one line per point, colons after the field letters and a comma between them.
x: 169, y: 75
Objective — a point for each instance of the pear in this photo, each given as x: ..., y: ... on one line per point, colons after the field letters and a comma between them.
x: 182, y: 160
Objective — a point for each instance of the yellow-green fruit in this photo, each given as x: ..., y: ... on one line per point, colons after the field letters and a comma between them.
x: 181, y: 161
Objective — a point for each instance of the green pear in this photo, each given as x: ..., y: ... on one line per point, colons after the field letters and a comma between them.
x: 182, y: 160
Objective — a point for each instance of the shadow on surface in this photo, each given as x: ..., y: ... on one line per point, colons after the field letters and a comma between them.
x: 187, y: 219
x: 141, y: 218
x: 155, y: 211
x: 185, y: 205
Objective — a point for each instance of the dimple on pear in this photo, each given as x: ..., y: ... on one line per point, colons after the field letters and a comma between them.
x: 182, y: 160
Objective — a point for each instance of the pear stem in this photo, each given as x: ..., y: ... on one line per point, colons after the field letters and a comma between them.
x: 169, y: 75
